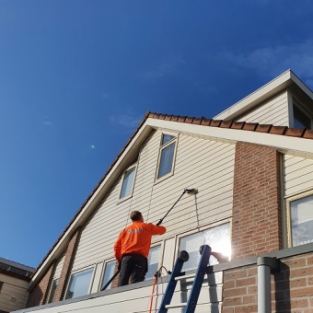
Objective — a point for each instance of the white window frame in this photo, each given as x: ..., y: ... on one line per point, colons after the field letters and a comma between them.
x: 288, y: 213
x: 79, y: 271
x: 132, y: 189
x: 105, y: 263
x: 161, y: 245
x: 161, y: 148
x: 201, y: 229
x: 50, y: 289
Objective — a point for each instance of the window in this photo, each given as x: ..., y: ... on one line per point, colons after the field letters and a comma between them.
x: 166, y: 155
x: 218, y: 238
x: 153, y: 261
x: 301, y: 221
x: 79, y: 284
x: 52, y: 290
x: 128, y: 182
x: 301, y: 119
x: 108, y: 273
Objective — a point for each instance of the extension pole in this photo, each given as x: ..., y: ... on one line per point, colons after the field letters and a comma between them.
x: 109, y: 282
x: 161, y: 220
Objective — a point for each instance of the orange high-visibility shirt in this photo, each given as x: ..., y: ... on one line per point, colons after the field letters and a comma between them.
x: 136, y: 238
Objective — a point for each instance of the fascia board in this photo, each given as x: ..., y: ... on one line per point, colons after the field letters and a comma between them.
x: 96, y: 197
x: 273, y: 87
x: 284, y: 144
x: 301, y: 85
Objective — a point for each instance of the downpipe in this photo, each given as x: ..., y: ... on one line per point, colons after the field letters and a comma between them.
x: 266, y: 267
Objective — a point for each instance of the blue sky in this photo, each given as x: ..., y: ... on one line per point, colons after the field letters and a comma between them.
x: 76, y: 78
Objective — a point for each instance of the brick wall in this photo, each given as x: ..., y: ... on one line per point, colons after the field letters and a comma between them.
x: 67, y: 266
x: 256, y: 227
x: 292, y: 287
x: 39, y: 293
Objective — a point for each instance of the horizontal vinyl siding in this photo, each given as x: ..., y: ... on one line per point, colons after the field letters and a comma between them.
x: 137, y: 300
x: 200, y: 163
x: 297, y: 174
x: 59, y: 266
x: 13, y: 295
x: 273, y: 112
x: 98, y: 236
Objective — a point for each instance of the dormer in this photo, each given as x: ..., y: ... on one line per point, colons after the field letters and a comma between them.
x: 284, y: 101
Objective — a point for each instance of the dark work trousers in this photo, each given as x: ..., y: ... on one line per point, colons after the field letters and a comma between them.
x: 133, y: 266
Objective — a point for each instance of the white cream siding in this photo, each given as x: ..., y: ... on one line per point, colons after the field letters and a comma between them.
x: 59, y: 266
x: 200, y: 163
x: 13, y: 294
x: 138, y: 300
x: 274, y: 111
x: 297, y: 175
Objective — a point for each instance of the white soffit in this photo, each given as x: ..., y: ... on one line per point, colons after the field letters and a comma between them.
x: 293, y: 145
x: 275, y: 86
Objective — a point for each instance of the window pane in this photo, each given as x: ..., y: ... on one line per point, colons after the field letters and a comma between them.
x: 108, y: 274
x: 153, y: 261
x: 52, y: 291
x: 218, y: 238
x: 301, y: 120
x: 166, y: 138
x: 302, y: 221
x: 166, y: 161
x: 79, y: 284
x: 128, y: 181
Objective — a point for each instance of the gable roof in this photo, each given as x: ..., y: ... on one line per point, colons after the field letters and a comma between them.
x: 155, y: 120
x: 287, y: 80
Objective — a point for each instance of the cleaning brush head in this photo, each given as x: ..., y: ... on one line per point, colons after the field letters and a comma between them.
x: 192, y: 191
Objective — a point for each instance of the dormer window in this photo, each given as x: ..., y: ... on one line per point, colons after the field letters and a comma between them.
x: 301, y: 119
x: 166, y: 155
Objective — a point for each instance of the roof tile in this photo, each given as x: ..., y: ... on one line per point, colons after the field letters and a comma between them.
x: 215, y: 123
x: 181, y: 119
x: 226, y: 124
x: 250, y: 126
x: 295, y: 132
x: 189, y: 120
x: 278, y: 130
x: 237, y: 125
x: 263, y: 128
x: 206, y: 122
x: 197, y: 121
x: 308, y: 134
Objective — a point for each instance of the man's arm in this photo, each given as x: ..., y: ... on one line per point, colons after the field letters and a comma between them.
x: 118, y: 247
x: 156, y: 230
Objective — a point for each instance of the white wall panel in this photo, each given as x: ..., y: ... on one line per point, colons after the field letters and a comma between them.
x: 137, y: 300
x: 297, y: 175
x: 274, y: 111
x: 59, y: 266
x: 203, y: 164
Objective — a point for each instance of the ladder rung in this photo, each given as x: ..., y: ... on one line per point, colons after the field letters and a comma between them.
x: 185, y: 277
x: 177, y: 305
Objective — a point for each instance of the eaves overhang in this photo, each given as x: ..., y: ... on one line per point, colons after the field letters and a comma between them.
x: 284, y: 81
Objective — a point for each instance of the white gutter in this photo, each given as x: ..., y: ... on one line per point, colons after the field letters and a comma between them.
x: 286, y: 144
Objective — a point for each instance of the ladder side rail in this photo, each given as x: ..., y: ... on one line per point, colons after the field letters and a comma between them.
x: 199, y: 277
x: 167, y: 297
